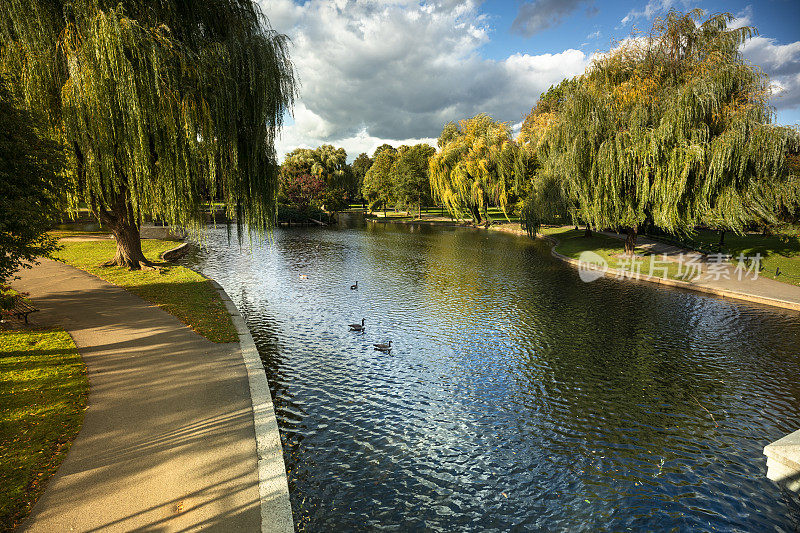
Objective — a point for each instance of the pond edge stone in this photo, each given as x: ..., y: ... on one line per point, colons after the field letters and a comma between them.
x: 273, y: 487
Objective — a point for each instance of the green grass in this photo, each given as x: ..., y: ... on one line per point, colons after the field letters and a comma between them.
x: 43, y: 391
x: 572, y: 243
x: 176, y: 289
x: 776, y: 251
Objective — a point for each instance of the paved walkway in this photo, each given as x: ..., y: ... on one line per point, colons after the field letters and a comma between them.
x: 723, y: 277
x: 168, y: 442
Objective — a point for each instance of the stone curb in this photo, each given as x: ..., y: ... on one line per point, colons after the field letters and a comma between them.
x: 722, y: 293
x: 175, y: 253
x: 273, y: 487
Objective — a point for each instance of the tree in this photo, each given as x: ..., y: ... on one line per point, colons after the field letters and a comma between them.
x: 546, y: 196
x: 672, y: 129
x: 409, y: 175
x: 325, y: 162
x: 476, y: 166
x: 382, y: 148
x: 378, y: 189
x: 360, y: 167
x: 302, y: 191
x: 155, y: 103
x: 30, y: 180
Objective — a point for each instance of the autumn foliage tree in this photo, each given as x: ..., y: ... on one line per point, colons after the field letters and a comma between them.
x: 302, y: 190
x: 476, y: 166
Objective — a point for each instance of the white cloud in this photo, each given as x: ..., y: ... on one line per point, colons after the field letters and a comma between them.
x: 653, y: 8
x: 396, y: 71
x: 781, y: 62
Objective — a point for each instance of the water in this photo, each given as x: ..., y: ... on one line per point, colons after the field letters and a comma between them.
x: 516, y: 397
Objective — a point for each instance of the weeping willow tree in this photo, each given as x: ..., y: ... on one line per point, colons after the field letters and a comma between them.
x: 159, y: 106
x: 477, y: 165
x: 673, y: 129
x: 546, y: 196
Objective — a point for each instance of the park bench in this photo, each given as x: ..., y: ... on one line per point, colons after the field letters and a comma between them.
x: 20, y: 309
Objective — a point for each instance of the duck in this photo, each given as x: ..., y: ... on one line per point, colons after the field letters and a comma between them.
x: 354, y: 286
x: 358, y: 327
x: 303, y: 276
x: 383, y: 347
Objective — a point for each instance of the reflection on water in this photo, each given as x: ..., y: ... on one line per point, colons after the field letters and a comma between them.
x: 516, y: 397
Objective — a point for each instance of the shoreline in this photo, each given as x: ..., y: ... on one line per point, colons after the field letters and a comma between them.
x: 725, y: 294
x: 273, y: 485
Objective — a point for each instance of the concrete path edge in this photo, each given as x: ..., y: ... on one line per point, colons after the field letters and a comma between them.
x: 273, y: 487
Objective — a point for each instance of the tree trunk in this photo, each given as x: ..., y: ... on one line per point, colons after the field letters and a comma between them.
x: 476, y: 215
x: 721, y: 237
x: 129, y: 247
x: 587, y: 232
x: 630, y: 242
x: 124, y: 225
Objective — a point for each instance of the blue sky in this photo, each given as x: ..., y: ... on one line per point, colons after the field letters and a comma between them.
x: 774, y: 18
x: 395, y: 71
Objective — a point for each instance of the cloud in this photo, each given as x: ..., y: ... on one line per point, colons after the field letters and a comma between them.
x: 653, y: 8
x: 538, y: 15
x: 398, y: 71
x: 781, y: 62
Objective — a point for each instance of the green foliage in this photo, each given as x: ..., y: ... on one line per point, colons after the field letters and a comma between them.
x: 30, y: 185
x: 158, y: 104
x: 382, y: 148
x: 378, y: 189
x: 328, y: 164
x: 43, y: 394
x: 478, y: 165
x: 672, y: 128
x: 360, y: 167
x: 335, y: 200
x: 545, y: 202
x: 409, y: 175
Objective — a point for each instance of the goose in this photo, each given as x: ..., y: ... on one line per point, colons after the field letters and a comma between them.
x: 383, y: 347
x: 354, y: 287
x: 357, y: 327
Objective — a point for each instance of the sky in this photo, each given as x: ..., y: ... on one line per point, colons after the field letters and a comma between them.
x: 395, y: 71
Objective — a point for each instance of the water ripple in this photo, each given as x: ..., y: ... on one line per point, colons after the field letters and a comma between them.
x: 516, y: 397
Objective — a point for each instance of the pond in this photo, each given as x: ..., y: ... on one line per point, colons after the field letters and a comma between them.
x: 516, y: 397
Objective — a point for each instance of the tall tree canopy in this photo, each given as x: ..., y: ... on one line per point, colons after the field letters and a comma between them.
x: 409, y: 175
x: 377, y: 188
x: 329, y: 164
x: 158, y: 104
x: 30, y: 183
x: 360, y: 167
x: 672, y: 128
x: 476, y: 166
x: 326, y: 162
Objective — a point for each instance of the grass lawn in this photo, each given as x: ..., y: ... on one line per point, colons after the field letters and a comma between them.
x: 43, y: 391
x: 777, y: 251
x: 176, y: 289
x: 572, y: 243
